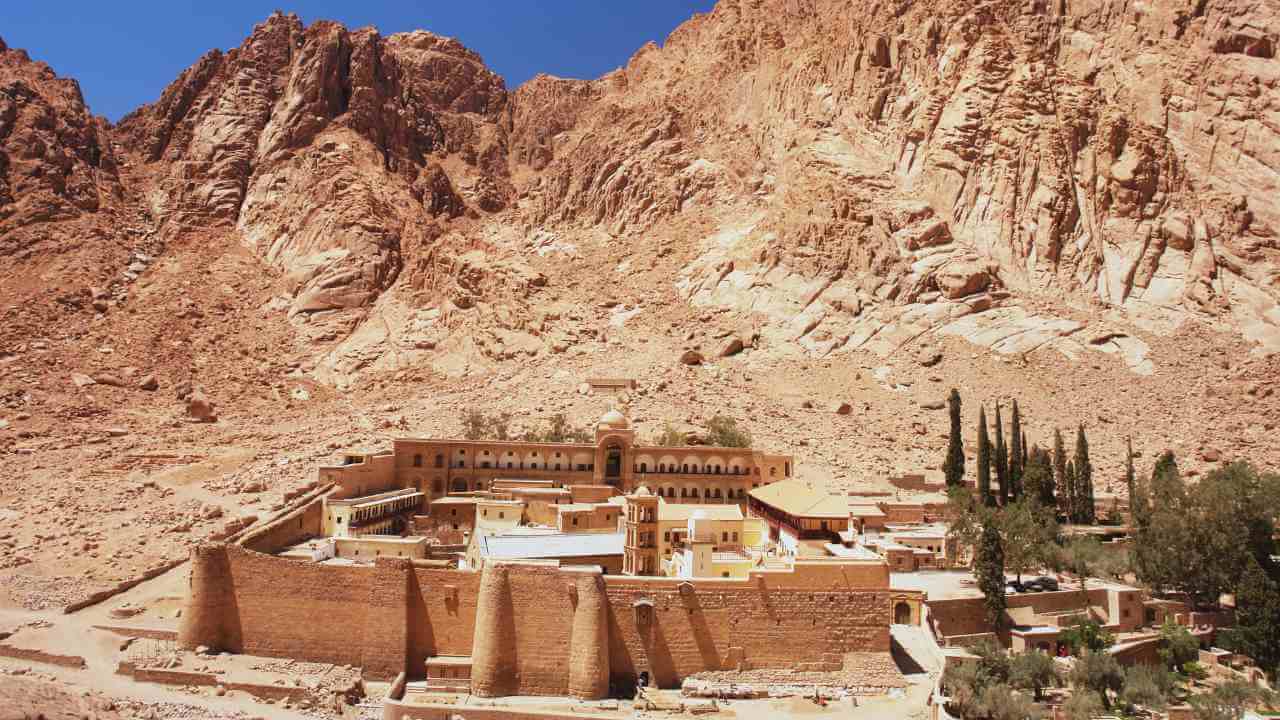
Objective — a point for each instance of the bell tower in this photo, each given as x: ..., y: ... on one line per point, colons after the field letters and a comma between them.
x: 640, y: 550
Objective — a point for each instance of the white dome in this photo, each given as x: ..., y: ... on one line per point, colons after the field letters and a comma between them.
x: 613, y: 419
x: 643, y: 491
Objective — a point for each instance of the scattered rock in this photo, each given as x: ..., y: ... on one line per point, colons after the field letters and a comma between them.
x: 732, y: 346
x: 200, y: 408
x: 933, y: 404
x: 928, y: 356
x: 841, y: 408
x: 691, y: 357
x: 82, y: 380
x: 149, y: 383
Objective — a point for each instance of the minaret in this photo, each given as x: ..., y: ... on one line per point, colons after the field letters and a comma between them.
x: 640, y: 552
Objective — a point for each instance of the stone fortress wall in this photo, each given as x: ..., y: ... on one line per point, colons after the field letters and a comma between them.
x: 531, y: 629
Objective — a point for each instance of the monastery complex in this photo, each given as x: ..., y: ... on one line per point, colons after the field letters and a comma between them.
x: 587, y: 570
x: 593, y: 571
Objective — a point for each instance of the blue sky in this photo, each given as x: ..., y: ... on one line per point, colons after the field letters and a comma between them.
x: 124, y: 53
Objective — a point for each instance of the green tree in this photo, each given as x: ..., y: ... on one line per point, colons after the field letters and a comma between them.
x: 1002, y: 460
x: 953, y: 465
x: 1082, y: 556
x: 1028, y: 533
x: 1082, y: 706
x: 1150, y: 686
x: 723, y: 431
x: 1032, y: 670
x: 1227, y: 701
x: 989, y: 569
x: 1084, y: 635
x: 1177, y: 645
x: 1130, y: 478
x: 1167, y: 488
x: 984, y: 461
x: 1065, y: 498
x: 1098, y: 672
x: 670, y: 437
x: 999, y: 702
x: 1073, y: 493
x: 1230, y: 519
x: 1257, y: 629
x: 964, y: 683
x: 1015, y: 454
x: 1037, y: 479
x: 1084, y: 479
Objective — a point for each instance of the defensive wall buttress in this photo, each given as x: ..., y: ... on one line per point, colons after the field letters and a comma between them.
x: 533, y: 629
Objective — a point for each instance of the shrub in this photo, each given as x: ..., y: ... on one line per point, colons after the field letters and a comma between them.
x: 723, y: 431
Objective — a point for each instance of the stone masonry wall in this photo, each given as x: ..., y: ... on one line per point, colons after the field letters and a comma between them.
x: 392, y: 616
x: 712, y: 626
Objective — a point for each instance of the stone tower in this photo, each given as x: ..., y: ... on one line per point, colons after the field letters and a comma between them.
x: 640, y: 552
x: 589, y: 638
x: 209, y: 614
x: 493, y: 649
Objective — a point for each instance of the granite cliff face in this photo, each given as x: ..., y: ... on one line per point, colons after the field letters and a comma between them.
x: 871, y: 176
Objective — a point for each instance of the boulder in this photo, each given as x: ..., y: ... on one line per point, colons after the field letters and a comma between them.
x: 841, y: 408
x: 928, y: 356
x: 200, y: 408
x: 82, y: 380
x: 732, y: 346
x: 962, y: 276
x: 691, y: 357
x: 933, y: 404
x: 108, y: 379
x: 149, y: 383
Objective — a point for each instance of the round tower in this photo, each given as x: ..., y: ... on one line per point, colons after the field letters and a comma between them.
x: 589, y: 639
x: 493, y: 647
x: 209, y: 611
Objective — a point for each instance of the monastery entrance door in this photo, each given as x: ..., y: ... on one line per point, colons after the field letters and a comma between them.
x: 613, y: 462
x: 902, y: 614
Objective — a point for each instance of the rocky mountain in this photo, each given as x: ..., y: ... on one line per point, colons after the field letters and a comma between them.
x: 341, y: 235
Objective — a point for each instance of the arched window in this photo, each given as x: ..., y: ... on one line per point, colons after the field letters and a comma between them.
x: 644, y: 467
x: 684, y: 468
x: 439, y: 460
x: 787, y: 469
x: 717, y: 469
x: 773, y: 472
x: 417, y: 460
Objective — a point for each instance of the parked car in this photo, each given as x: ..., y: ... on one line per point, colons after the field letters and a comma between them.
x: 1046, y: 583
x: 1013, y: 586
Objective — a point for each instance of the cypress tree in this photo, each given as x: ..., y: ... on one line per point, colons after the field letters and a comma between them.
x: 1015, y: 454
x: 1131, y: 483
x: 1084, y: 478
x: 1073, y: 507
x: 1060, y: 474
x: 988, y: 564
x: 953, y: 466
x: 984, y: 461
x: 1026, y: 452
x: 1167, y: 490
x: 1002, y: 460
